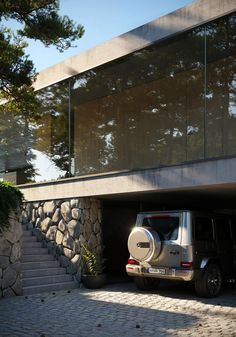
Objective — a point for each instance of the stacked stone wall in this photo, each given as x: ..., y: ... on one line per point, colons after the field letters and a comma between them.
x: 10, y: 253
x: 63, y: 225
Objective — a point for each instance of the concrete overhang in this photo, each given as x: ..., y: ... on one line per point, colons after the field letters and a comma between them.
x: 166, y: 26
x: 214, y: 175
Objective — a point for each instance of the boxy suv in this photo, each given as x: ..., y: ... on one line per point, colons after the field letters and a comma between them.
x: 192, y: 246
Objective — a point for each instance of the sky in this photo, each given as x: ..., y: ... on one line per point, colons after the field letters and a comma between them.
x: 102, y: 21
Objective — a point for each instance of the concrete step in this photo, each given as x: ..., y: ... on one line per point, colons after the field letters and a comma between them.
x: 37, y: 258
x: 49, y: 287
x: 51, y: 279
x: 27, y: 233
x: 43, y: 272
x: 33, y: 244
x: 39, y: 265
x: 40, y: 271
x: 28, y: 239
x: 27, y: 226
x: 34, y: 250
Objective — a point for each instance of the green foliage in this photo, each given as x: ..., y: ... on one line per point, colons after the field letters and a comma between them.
x: 11, y: 199
x: 38, y: 20
x: 92, y: 264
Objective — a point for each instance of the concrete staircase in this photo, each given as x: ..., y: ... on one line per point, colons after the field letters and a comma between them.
x: 40, y: 271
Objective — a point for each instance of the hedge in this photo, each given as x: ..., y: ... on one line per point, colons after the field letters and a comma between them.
x: 11, y: 199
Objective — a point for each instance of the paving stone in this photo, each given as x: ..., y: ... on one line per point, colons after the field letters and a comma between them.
x: 119, y: 310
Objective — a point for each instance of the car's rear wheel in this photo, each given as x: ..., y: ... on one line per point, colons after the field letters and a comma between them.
x: 146, y: 283
x: 209, y: 285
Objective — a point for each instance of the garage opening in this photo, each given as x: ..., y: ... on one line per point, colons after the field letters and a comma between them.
x: 118, y: 220
x: 119, y: 216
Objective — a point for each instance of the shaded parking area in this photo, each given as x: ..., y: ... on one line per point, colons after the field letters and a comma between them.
x: 119, y: 310
x: 120, y: 211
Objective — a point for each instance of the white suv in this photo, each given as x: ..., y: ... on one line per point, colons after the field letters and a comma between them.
x: 192, y: 246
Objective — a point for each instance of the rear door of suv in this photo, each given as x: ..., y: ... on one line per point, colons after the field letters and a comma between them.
x: 167, y: 225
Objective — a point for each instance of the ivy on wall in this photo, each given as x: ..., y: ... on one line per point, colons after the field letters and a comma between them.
x: 11, y: 199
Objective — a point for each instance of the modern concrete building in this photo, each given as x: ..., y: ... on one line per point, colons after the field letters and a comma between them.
x: 146, y: 120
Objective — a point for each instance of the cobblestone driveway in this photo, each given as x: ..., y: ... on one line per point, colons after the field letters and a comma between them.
x: 119, y: 310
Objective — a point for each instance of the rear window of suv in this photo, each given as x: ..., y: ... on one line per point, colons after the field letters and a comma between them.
x: 166, y: 225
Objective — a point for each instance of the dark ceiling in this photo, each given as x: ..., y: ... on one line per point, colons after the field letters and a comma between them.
x: 221, y: 197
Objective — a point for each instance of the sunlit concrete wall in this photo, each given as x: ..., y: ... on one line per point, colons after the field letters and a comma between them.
x: 210, y: 173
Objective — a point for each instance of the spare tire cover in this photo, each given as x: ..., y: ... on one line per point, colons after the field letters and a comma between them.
x: 144, y: 244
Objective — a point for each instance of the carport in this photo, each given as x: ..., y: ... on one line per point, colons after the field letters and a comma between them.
x: 119, y: 215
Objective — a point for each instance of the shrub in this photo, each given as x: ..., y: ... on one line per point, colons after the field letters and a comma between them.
x: 11, y: 199
x: 92, y: 264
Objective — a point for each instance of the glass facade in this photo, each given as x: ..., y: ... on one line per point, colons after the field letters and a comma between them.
x: 221, y: 87
x: 134, y: 114
x: 37, y: 151
x: 171, y: 103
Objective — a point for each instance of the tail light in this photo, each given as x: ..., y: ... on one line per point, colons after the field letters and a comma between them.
x: 133, y: 261
x: 186, y: 264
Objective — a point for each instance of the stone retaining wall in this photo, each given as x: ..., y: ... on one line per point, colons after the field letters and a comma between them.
x: 63, y: 225
x: 10, y: 253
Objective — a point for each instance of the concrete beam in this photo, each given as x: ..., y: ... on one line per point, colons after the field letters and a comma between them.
x: 196, y: 175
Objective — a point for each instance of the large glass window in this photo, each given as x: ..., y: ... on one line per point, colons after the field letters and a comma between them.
x: 221, y: 87
x: 15, y: 141
x: 140, y: 111
x: 38, y: 151
x: 51, y: 134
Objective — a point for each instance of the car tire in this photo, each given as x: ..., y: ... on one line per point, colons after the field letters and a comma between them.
x: 146, y: 283
x: 210, y: 283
